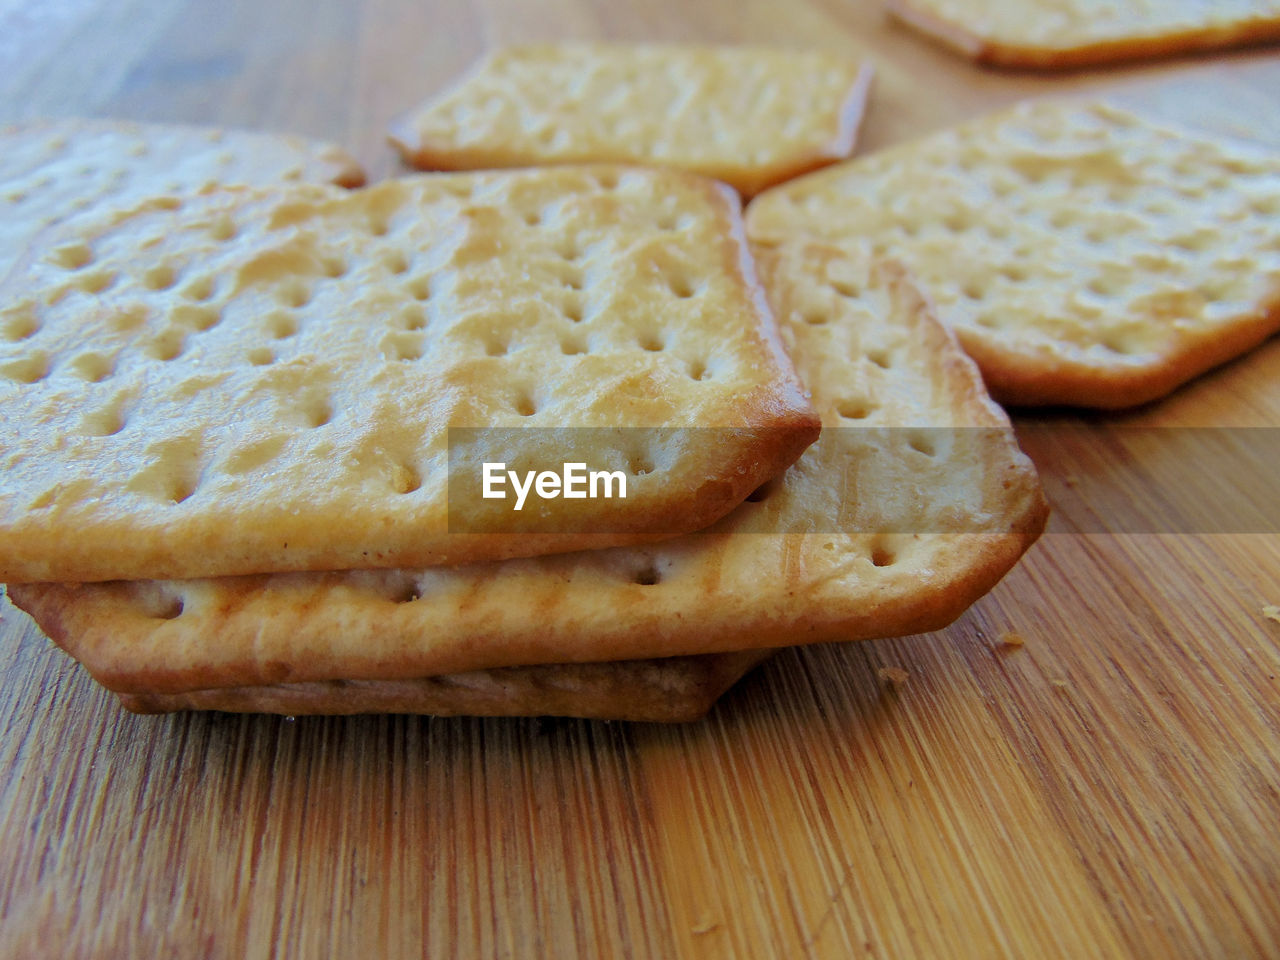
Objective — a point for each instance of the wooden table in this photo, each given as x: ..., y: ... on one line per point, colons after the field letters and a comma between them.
x: 1110, y: 788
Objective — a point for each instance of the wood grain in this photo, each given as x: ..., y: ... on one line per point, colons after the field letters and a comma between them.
x: 1111, y: 787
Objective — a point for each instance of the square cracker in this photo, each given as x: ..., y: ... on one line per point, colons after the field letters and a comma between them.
x: 52, y: 170
x: 253, y: 380
x: 1083, y: 254
x: 751, y: 117
x: 676, y: 689
x: 1057, y: 34
x: 911, y: 505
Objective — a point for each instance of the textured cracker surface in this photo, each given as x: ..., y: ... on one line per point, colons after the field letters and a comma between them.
x: 670, y: 690
x: 259, y: 380
x: 1083, y: 254
x: 53, y: 170
x: 1067, y: 33
x: 875, y: 357
x: 748, y: 116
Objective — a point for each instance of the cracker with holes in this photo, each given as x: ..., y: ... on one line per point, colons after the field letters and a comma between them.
x: 750, y: 117
x: 1057, y: 34
x: 913, y: 503
x: 1083, y: 254
x: 256, y: 380
x: 667, y: 690
x: 53, y: 170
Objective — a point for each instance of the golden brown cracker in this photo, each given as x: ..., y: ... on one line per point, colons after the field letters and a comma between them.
x: 1058, y: 34
x: 748, y: 116
x: 677, y: 689
x: 1084, y: 255
x: 253, y: 380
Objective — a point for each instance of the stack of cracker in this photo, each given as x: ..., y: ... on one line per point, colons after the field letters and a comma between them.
x: 231, y: 466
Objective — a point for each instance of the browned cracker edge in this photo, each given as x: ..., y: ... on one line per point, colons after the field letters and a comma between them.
x: 1014, y: 379
x: 1010, y: 56
x: 678, y: 690
x: 352, y: 175
x: 986, y: 562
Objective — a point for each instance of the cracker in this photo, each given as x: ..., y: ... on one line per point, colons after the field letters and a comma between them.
x: 901, y: 527
x: 1083, y: 254
x: 52, y: 170
x: 1057, y: 34
x: 677, y: 689
x: 256, y: 380
x: 751, y: 117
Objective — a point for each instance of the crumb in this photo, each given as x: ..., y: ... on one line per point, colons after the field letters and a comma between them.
x: 1071, y: 480
x: 1271, y: 612
x: 1011, y: 639
x: 895, y: 676
x: 1059, y: 684
x: 704, y: 924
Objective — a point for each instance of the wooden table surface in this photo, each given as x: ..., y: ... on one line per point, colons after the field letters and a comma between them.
x: 1110, y: 788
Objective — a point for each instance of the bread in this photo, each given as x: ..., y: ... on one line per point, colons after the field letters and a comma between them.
x: 1084, y: 255
x: 255, y: 380
x: 912, y: 504
x: 53, y: 170
x: 1057, y: 34
x: 748, y: 116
